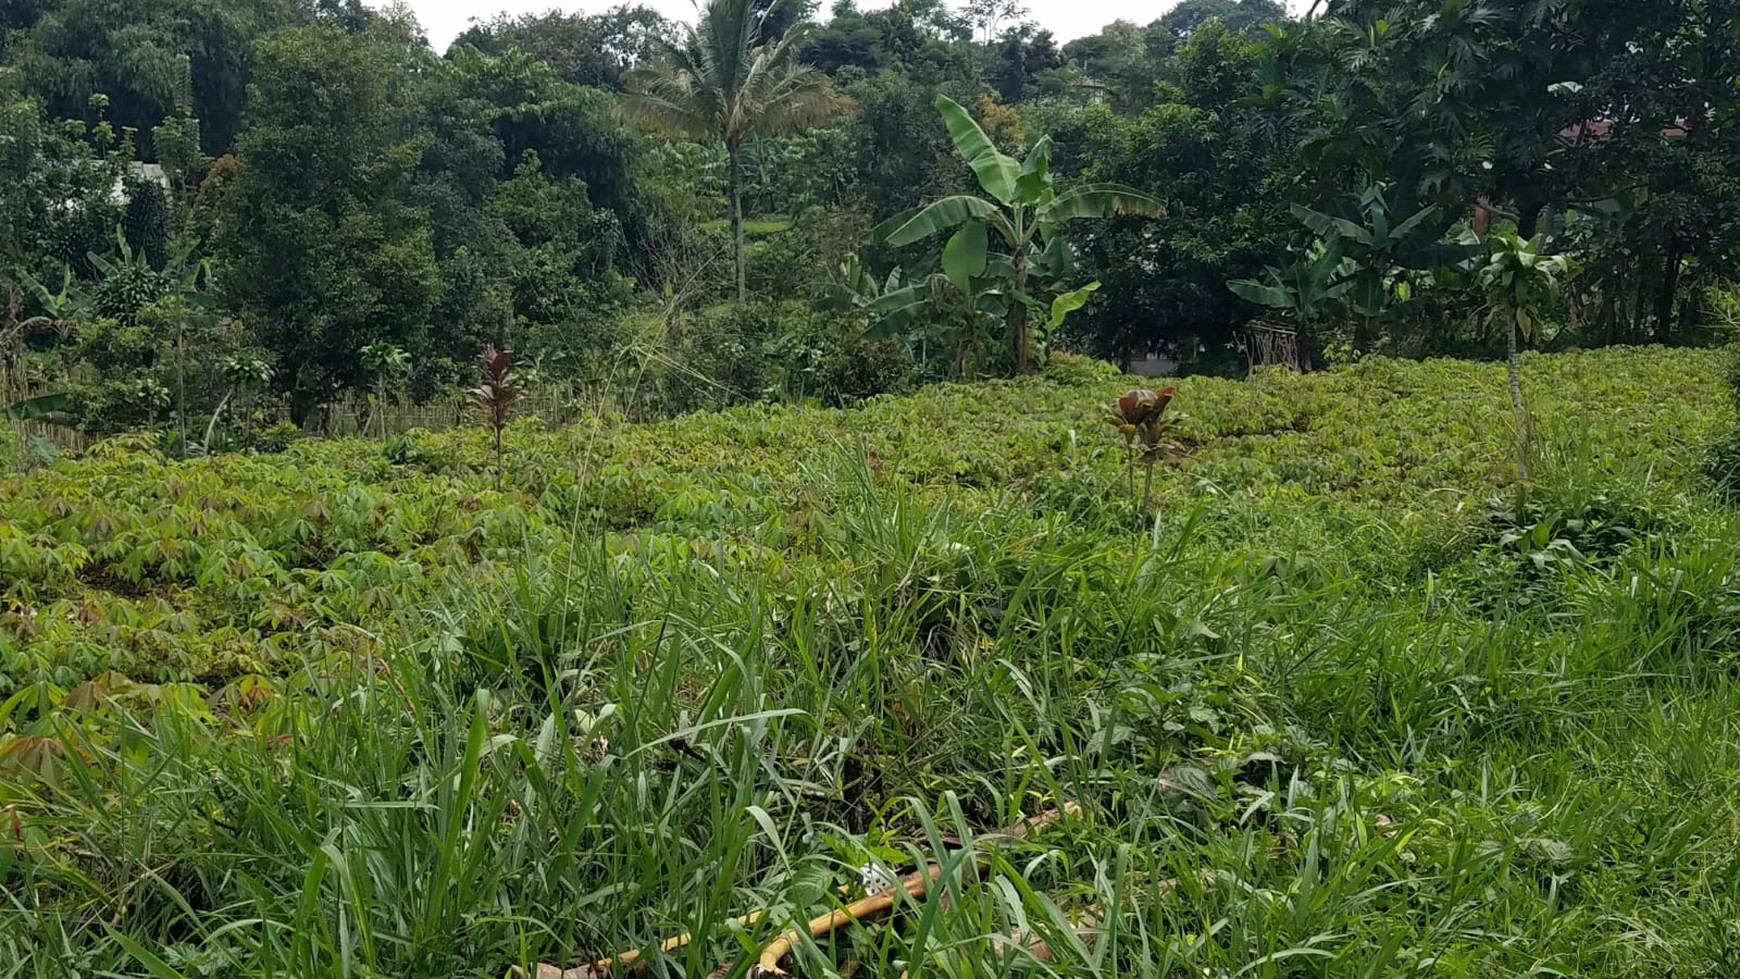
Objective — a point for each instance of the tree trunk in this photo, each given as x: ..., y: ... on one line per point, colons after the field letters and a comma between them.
x: 1639, y: 309
x: 181, y: 384
x: 1516, y: 404
x: 1664, y: 301
x: 1018, y: 313
x: 1528, y: 218
x: 735, y: 164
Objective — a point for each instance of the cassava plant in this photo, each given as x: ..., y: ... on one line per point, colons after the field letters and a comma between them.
x: 496, y: 395
x: 1140, y: 417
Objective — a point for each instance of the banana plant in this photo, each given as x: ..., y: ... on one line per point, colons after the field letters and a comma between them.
x: 62, y: 311
x: 1360, y: 260
x: 53, y: 407
x: 1029, y: 255
x: 1304, y: 290
x: 856, y: 287
x: 1382, y: 247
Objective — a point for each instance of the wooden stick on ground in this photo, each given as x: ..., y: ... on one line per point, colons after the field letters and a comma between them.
x: 915, y: 885
x: 604, y: 968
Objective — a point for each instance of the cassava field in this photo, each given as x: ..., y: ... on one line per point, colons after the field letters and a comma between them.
x: 1352, y: 705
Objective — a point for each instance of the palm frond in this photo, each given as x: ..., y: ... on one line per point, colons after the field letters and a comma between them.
x: 722, y: 81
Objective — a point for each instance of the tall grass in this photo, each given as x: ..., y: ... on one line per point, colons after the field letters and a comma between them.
x: 1306, y: 740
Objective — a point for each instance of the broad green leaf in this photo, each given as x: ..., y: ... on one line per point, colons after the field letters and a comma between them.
x: 1000, y: 266
x: 1034, y: 184
x: 1329, y: 226
x: 1367, y: 294
x: 993, y: 302
x: 40, y: 408
x: 964, y: 255
x: 891, y: 314
x: 939, y: 216
x: 836, y: 298
x: 1401, y: 231
x: 996, y: 171
x: 881, y: 231
x: 1264, y: 294
x: 1068, y: 303
x: 1055, y: 260
x: 896, y: 298
x: 1099, y: 201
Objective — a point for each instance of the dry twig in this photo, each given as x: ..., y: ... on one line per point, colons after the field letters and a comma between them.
x: 914, y: 885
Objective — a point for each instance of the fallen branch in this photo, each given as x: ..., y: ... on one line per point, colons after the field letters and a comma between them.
x: 915, y: 885
x: 606, y: 967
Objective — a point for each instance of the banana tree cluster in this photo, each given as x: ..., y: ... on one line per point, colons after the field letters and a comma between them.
x: 1362, y: 262
x: 1007, y: 259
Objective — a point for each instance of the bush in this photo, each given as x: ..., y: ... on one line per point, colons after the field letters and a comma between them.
x: 854, y: 369
x: 1722, y: 464
x: 1079, y: 369
x: 1731, y: 369
x: 275, y: 438
x: 418, y: 449
x: 782, y: 265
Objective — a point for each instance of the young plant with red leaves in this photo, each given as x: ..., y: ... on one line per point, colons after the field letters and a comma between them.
x: 496, y: 395
x: 1140, y: 416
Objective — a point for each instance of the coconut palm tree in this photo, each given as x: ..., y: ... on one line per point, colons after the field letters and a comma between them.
x: 726, y: 81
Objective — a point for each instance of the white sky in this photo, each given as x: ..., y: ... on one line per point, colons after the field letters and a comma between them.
x: 1067, y: 19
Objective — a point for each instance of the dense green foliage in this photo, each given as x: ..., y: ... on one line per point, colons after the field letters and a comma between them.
x: 347, y: 186
x: 823, y: 558
x: 1347, y: 704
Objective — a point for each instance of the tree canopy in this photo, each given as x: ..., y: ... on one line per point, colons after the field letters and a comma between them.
x: 588, y: 188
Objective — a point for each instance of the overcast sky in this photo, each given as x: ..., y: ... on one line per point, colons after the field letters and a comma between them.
x: 1067, y: 19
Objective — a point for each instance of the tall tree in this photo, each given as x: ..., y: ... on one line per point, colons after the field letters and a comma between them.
x: 726, y: 81
x: 1226, y: 184
x: 586, y: 49
x: 1237, y: 15
x: 151, y: 58
x: 320, y: 248
x: 1621, y: 111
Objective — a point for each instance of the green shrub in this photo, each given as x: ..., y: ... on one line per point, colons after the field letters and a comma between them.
x: 1079, y: 369
x: 418, y: 449
x: 1722, y: 464
x: 276, y: 437
x: 853, y: 369
x: 1731, y: 369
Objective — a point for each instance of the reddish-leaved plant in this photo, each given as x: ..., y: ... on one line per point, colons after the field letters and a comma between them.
x: 1140, y: 416
x: 496, y: 395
